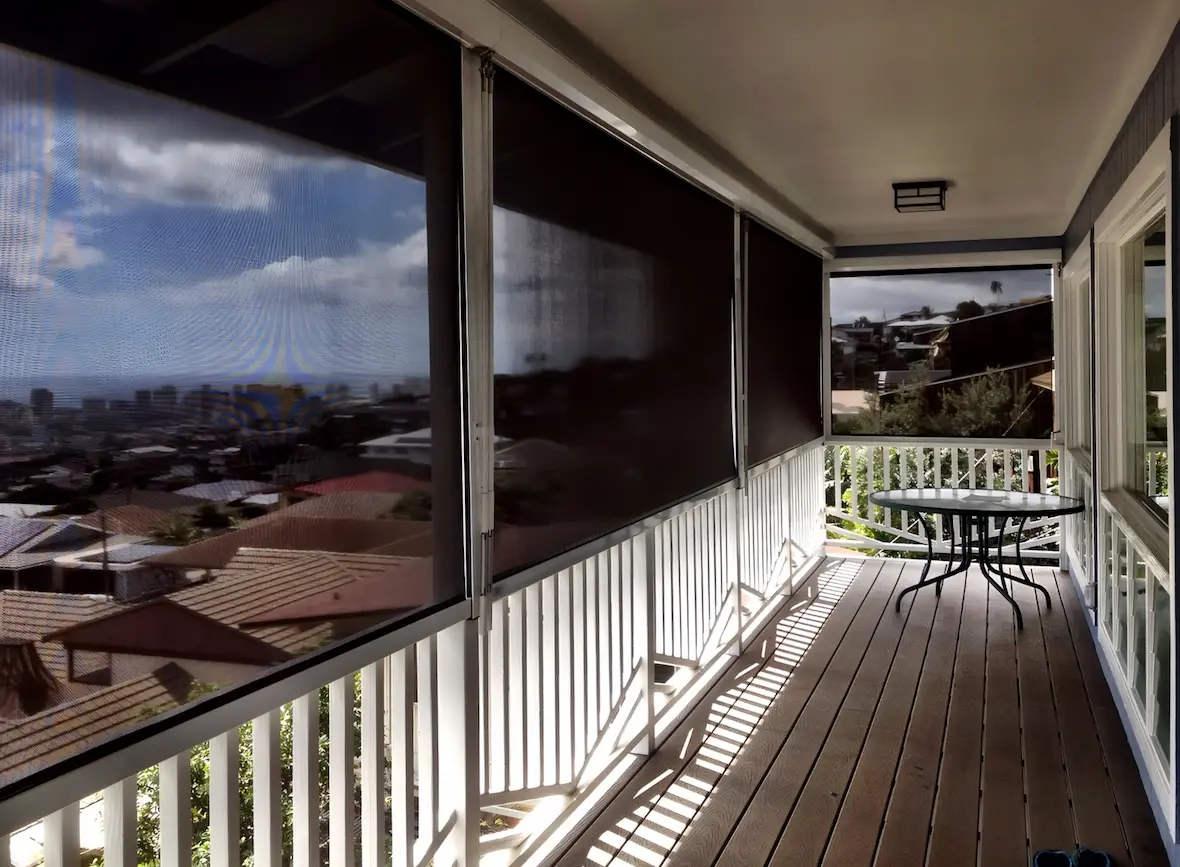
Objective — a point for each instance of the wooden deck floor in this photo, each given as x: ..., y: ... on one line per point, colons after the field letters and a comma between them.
x: 851, y: 736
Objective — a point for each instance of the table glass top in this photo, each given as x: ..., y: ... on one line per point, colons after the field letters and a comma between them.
x: 971, y: 501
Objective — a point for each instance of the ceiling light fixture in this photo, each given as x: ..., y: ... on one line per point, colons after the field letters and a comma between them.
x: 913, y: 196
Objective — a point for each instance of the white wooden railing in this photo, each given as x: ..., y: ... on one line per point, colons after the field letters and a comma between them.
x: 1135, y: 627
x: 855, y: 467
x: 1078, y: 530
x: 449, y: 738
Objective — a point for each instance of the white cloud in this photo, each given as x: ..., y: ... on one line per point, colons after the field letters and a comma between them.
x: 892, y: 295
x: 121, y: 147
x: 376, y: 273
x: 35, y: 249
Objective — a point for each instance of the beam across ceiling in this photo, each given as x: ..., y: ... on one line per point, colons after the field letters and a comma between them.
x: 531, y: 39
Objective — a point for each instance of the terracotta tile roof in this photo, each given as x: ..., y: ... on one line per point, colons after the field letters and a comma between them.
x: 374, y: 481
x: 344, y: 535
x: 130, y: 520
x: 165, y: 501
x: 238, y: 596
x: 41, y: 740
x: 168, y: 630
x: 513, y: 547
x: 365, y: 505
x: 28, y: 614
x: 403, y: 588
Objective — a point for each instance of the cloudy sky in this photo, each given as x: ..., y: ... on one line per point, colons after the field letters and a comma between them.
x: 140, y: 237
x: 889, y: 296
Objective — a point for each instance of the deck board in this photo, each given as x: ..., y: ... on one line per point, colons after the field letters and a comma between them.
x: 937, y: 736
x: 1003, y: 838
x: 906, y: 830
x: 1049, y: 818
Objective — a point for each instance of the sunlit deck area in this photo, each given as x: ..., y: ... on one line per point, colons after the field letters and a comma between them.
x: 850, y: 735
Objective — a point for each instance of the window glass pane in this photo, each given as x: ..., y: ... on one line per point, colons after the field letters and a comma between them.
x: 1141, y: 604
x: 613, y: 295
x: 1084, y: 387
x: 1122, y: 597
x: 1163, y: 668
x: 221, y: 430
x: 949, y: 354
x: 1151, y: 440
x: 784, y: 285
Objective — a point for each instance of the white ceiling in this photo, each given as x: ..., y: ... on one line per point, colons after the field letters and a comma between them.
x: 1015, y: 102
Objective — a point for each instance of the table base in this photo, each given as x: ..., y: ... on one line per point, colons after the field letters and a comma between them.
x: 978, y: 551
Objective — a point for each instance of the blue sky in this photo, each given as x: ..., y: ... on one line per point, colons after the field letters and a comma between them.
x: 142, y: 237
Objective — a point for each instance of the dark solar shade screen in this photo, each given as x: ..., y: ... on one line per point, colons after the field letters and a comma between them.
x: 784, y: 297
x: 613, y: 295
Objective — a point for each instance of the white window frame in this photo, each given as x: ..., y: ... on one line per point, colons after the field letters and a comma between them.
x: 1118, y: 338
x: 1075, y: 348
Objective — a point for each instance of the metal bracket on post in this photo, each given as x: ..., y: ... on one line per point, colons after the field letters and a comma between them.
x: 478, y: 73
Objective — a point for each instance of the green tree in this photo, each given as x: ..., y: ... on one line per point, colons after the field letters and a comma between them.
x: 997, y: 288
x: 413, y: 506
x: 967, y: 309
x: 210, y: 516
x: 148, y: 818
x: 175, y: 531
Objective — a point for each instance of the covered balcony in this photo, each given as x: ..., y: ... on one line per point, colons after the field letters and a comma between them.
x: 446, y: 432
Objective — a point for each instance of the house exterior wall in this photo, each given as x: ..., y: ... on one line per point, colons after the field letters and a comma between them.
x: 1157, y: 102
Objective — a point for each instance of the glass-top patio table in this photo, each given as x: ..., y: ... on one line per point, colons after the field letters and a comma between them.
x: 977, y: 511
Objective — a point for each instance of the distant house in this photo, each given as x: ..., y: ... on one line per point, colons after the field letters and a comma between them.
x: 224, y: 491
x: 371, y: 482
x: 413, y: 446
x: 340, y: 535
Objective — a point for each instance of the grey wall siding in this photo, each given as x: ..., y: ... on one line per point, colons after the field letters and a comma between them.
x: 1157, y: 102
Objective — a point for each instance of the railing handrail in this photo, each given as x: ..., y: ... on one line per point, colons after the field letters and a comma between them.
x: 943, y: 442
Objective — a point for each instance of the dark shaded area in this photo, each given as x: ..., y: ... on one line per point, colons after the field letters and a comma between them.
x: 784, y: 302
x: 613, y: 295
x: 1020, y: 335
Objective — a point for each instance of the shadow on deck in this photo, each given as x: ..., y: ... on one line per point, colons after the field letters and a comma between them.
x: 849, y: 736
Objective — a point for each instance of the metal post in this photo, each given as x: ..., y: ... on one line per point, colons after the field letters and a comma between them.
x: 738, y: 503
x: 478, y: 74
x: 643, y: 562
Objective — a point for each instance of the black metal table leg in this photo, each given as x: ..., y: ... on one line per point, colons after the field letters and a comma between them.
x: 1023, y: 577
x: 926, y: 580
x: 989, y: 570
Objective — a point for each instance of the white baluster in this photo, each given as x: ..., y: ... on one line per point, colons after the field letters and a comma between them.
x: 119, y: 829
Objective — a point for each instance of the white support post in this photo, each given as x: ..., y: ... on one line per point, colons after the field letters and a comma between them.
x: 225, y: 827
x: 373, y: 765
x: 62, y: 845
x: 341, y: 777
x: 402, y: 680
x: 268, y: 819
x: 305, y: 772
x: 643, y: 563
x: 735, y: 502
x: 119, y: 830
x: 458, y: 741
x: 176, y: 812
